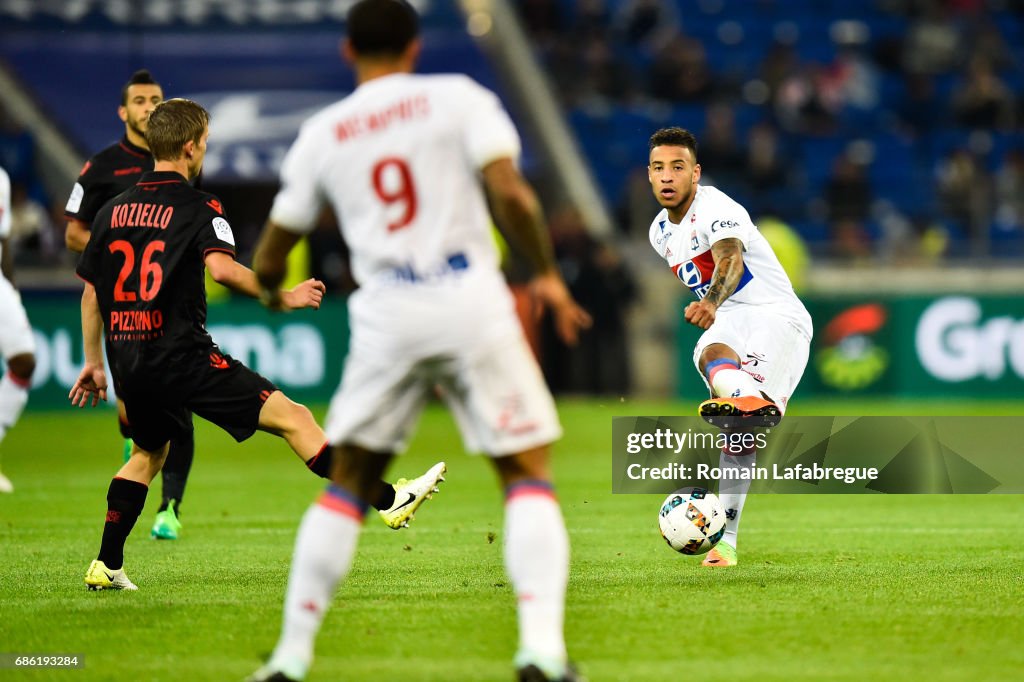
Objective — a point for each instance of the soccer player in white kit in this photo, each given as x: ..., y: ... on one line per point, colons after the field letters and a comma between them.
x: 401, y: 161
x: 757, y: 332
x: 17, y: 345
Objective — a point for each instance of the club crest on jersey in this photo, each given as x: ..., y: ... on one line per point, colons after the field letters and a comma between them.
x: 694, y: 243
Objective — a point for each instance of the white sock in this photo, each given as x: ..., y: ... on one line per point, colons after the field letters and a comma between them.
x: 13, y: 396
x: 537, y: 562
x: 324, y: 549
x: 733, y: 492
x: 728, y: 382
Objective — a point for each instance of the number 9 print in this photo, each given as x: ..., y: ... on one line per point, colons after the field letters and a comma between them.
x: 393, y: 184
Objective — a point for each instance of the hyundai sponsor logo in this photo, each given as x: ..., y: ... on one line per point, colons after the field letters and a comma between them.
x: 689, y: 274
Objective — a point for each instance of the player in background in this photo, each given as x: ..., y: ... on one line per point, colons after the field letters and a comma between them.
x: 144, y: 273
x: 757, y: 332
x: 17, y: 345
x: 401, y: 160
x: 104, y: 176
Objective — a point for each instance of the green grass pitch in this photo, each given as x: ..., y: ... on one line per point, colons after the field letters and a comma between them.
x: 829, y: 587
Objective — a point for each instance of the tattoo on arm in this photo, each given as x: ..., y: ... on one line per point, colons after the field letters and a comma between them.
x: 728, y: 255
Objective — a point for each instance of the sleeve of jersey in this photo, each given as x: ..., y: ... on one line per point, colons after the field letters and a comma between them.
x: 5, y: 205
x: 730, y: 224
x: 87, y: 197
x: 489, y: 132
x: 216, y: 235
x: 298, y: 202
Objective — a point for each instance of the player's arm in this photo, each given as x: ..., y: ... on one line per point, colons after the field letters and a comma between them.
x: 227, y: 271
x: 6, y: 261
x: 92, y: 381
x: 520, y: 218
x: 728, y: 257
x: 76, y: 235
x: 270, y: 262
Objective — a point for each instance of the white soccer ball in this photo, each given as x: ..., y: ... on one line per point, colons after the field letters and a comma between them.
x: 692, y: 520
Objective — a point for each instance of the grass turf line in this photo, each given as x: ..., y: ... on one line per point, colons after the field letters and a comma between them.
x: 829, y: 588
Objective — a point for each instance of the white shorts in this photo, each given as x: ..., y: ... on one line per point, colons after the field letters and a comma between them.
x: 498, y: 398
x: 772, y: 349
x: 15, y: 332
x: 407, y: 345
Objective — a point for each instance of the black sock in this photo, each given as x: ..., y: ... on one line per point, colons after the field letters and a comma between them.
x: 386, y: 499
x: 125, y: 500
x: 320, y: 463
x: 175, y: 471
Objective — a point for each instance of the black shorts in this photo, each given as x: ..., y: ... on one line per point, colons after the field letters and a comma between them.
x: 224, y: 392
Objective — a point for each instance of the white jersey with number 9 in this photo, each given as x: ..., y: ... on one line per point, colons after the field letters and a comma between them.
x: 399, y: 161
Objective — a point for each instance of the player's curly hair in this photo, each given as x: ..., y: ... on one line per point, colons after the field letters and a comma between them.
x: 674, y: 137
x: 140, y: 77
x: 173, y: 123
x: 382, y: 28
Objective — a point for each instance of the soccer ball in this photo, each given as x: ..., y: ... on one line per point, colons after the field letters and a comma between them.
x: 692, y: 520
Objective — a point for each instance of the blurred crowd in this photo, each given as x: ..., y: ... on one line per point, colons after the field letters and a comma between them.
x: 35, y: 238
x: 886, y: 129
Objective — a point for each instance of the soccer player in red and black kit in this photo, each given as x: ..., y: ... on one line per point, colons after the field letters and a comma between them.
x: 144, y: 273
x: 104, y: 176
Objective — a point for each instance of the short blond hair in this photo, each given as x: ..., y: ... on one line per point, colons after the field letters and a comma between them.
x: 172, y: 124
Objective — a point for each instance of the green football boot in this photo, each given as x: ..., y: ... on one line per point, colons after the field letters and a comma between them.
x: 167, y: 526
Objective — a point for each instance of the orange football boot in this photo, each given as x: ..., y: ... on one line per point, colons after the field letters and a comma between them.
x: 752, y: 410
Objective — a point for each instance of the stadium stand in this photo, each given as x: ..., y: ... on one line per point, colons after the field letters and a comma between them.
x: 892, y: 85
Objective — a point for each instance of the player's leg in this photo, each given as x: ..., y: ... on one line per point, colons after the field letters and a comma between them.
x: 536, y: 551
x: 173, y: 477
x: 14, y: 388
x: 17, y: 346
x: 735, y: 393
x: 126, y: 496
x: 503, y: 407
x: 775, y: 353
x: 324, y: 548
x: 717, y: 357
x: 295, y: 423
x: 373, y: 413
